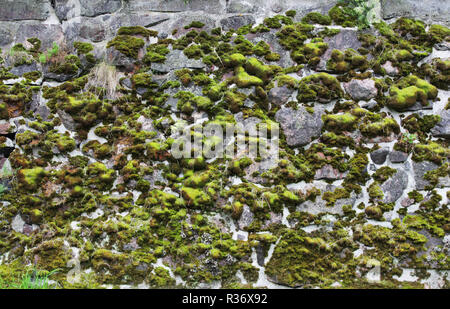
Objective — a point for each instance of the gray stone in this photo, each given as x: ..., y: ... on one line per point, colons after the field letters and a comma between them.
x: 7, y: 31
x: 93, y: 8
x: 379, y: 156
x: 47, y: 33
x: 420, y: 168
x: 93, y: 30
x: 237, y: 21
x: 430, y: 10
x: 120, y: 60
x: 246, y: 218
x: 17, y: 224
x: 345, y: 39
x: 175, y: 60
x: 393, y: 187
x: 22, y: 69
x: 24, y: 9
x: 62, y: 8
x: 361, y: 89
x: 442, y: 128
x: 398, y: 156
x: 327, y: 172
x: 300, y: 126
x: 280, y: 95
x: 67, y: 120
x: 241, y: 6
x: 213, y: 7
x: 390, y: 69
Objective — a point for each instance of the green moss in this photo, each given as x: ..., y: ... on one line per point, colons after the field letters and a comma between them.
x: 410, y: 90
x: 193, y: 51
x: 316, y: 18
x: 342, y: 62
x: 30, y: 178
x: 137, y: 30
x: 127, y: 45
x: 244, y: 80
x: 437, y: 33
x: 195, y: 24
x: 432, y: 151
x: 340, y: 122
x: 195, y: 197
x: 384, y: 127
x: 320, y: 87
x: 83, y: 48
x: 384, y: 173
x: 342, y: 16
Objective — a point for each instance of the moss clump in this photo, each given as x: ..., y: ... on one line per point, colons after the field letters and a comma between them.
x: 321, y: 87
x: 83, y: 48
x: 100, y: 176
x: 137, y: 30
x: 342, y: 16
x: 196, y: 197
x: 384, y: 127
x: 437, y: 33
x: 316, y: 18
x: 69, y: 66
x: 255, y: 67
x: 384, y: 173
x: 193, y: 51
x: 340, y: 122
x: 31, y: 178
x: 127, y: 45
x: 195, y: 24
x: 310, y: 53
x: 245, y: 80
x: 342, y: 62
x: 432, y: 151
x: 410, y: 90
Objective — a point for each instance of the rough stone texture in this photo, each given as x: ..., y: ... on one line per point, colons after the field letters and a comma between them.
x: 46, y: 33
x: 398, y: 156
x: 280, y: 95
x: 435, y: 10
x: 361, y: 89
x: 420, y: 168
x: 246, y: 218
x: 97, y: 7
x: 235, y: 22
x: 379, y: 155
x: 442, y: 128
x: 329, y: 173
x: 216, y: 7
x: 345, y: 39
x: 393, y: 187
x: 299, y: 126
x: 175, y: 60
x: 24, y: 9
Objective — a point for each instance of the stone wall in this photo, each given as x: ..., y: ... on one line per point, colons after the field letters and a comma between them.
x: 98, y: 20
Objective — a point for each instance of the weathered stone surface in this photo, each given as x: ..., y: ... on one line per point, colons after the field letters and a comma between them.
x: 20, y: 70
x: 24, y: 9
x: 280, y: 95
x: 241, y: 6
x: 442, y: 128
x: 246, y: 218
x: 361, y: 89
x: 237, y: 21
x: 398, y: 156
x: 300, y: 126
x: 390, y: 69
x: 117, y: 58
x: 435, y: 10
x: 347, y: 38
x: 393, y: 187
x: 47, y: 33
x: 420, y: 168
x: 329, y: 173
x: 175, y: 60
x: 213, y: 7
x: 93, y: 8
x: 379, y: 156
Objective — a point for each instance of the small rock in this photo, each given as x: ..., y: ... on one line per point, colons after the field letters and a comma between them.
x: 379, y: 155
x: 442, y: 128
x: 246, y: 218
x: 398, y: 156
x: 280, y: 95
x: 393, y: 187
x: 420, y: 168
x: 361, y: 89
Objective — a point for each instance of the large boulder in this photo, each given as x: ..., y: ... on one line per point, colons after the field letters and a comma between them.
x: 300, y: 126
x: 93, y: 8
x: 237, y: 21
x: 24, y: 9
x: 428, y: 11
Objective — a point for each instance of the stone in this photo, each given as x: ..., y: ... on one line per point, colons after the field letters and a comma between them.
x: 300, y: 126
x: 176, y: 60
x: 17, y: 224
x: 118, y: 59
x: 241, y: 6
x: 393, y: 187
x: 22, y: 69
x: 237, y: 21
x: 280, y: 95
x: 47, y: 33
x: 246, y: 218
x: 361, y: 89
x: 429, y: 11
x: 442, y: 128
x: 213, y: 7
x: 420, y: 168
x: 347, y: 38
x: 24, y: 9
x: 379, y: 156
x: 94, y: 8
x: 63, y: 7
x: 327, y: 172
x: 390, y: 69
x: 398, y: 156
